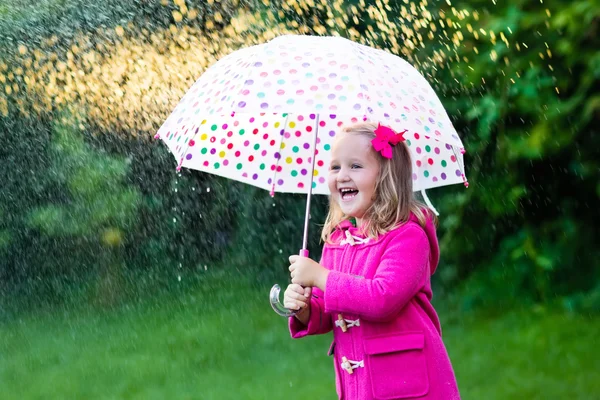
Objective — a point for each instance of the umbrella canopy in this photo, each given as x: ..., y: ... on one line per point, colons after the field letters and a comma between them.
x: 261, y: 114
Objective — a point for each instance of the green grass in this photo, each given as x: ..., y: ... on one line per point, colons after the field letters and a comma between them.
x: 221, y: 340
x: 543, y: 355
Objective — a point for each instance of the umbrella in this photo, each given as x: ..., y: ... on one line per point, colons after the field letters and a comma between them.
x: 266, y: 115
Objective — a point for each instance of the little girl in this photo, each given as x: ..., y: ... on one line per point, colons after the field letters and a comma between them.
x: 372, y: 286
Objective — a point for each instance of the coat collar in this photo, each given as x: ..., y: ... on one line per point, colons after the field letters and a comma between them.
x: 429, y: 229
x: 347, y: 225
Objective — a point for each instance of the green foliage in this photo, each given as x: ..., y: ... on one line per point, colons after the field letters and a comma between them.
x: 269, y: 230
x: 78, y: 213
x: 588, y: 301
x: 5, y: 237
x: 525, y: 233
x: 96, y: 198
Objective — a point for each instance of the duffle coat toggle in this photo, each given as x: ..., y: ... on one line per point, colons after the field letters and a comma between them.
x: 353, y: 240
x: 350, y: 365
x: 344, y: 324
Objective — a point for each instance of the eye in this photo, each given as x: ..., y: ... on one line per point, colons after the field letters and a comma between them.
x: 334, y: 167
x: 356, y: 166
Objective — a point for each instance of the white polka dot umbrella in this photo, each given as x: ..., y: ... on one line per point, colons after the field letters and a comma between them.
x: 266, y: 115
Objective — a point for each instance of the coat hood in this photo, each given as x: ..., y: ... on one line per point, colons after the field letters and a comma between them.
x: 430, y: 231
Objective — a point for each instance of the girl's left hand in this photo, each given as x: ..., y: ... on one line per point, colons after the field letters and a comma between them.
x: 307, y: 272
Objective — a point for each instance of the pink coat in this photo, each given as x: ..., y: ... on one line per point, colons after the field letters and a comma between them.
x: 381, y: 290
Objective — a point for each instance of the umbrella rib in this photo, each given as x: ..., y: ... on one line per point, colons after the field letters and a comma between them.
x: 183, y: 154
x: 281, y: 137
x: 187, y: 147
x: 250, y: 71
x: 360, y: 83
x: 460, y: 163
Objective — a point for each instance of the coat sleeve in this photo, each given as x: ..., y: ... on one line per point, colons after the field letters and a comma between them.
x: 319, y: 321
x: 401, y: 273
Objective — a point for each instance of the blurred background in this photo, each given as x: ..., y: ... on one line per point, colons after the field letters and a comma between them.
x: 122, y: 278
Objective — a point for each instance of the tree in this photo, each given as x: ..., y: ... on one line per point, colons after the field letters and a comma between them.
x: 94, y: 208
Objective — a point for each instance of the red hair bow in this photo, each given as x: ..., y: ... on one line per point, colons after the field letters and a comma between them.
x: 385, y: 138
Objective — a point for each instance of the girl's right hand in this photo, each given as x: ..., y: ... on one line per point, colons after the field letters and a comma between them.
x: 296, y: 297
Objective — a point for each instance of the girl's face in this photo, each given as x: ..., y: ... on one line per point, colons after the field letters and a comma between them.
x: 353, y: 173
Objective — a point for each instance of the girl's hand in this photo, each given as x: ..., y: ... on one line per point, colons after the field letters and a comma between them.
x: 307, y: 272
x: 296, y: 297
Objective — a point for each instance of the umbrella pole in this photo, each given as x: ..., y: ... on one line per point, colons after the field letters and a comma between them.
x: 275, y: 290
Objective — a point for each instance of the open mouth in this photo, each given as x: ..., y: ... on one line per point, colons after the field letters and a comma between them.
x: 348, y: 194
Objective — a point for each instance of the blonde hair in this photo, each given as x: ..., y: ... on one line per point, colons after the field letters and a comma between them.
x: 394, y: 199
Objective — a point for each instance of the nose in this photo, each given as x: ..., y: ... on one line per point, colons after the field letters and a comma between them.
x: 343, y: 175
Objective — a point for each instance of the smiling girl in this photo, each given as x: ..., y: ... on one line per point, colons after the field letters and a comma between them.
x: 372, y: 286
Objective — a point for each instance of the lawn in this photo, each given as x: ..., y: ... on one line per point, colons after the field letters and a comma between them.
x: 221, y: 340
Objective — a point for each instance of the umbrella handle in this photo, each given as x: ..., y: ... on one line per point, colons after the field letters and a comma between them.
x: 274, y: 297
x: 276, y: 304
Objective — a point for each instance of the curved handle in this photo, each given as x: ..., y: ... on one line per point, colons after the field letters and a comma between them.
x: 276, y: 304
x: 274, y: 296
